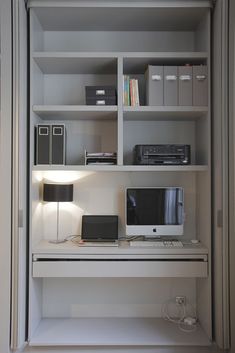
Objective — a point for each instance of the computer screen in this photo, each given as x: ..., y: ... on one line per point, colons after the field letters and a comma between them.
x: 154, y: 211
x: 99, y: 227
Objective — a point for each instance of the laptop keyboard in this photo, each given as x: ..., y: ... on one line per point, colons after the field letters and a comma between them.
x: 98, y: 244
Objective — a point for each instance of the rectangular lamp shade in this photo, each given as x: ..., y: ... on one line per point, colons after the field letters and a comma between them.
x: 58, y: 192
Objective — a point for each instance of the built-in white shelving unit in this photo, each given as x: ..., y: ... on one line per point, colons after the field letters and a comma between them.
x: 116, y: 294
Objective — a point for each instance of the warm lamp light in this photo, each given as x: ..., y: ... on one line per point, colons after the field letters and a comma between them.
x: 57, y: 193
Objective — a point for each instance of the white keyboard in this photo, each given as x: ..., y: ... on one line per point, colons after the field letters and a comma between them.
x: 156, y: 244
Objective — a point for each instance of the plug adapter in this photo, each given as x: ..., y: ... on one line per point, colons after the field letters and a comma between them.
x: 190, y: 321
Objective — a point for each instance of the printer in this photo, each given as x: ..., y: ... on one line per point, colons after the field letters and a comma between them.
x: 162, y: 154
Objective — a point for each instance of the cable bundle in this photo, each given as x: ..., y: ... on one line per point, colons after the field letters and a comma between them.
x: 185, y: 322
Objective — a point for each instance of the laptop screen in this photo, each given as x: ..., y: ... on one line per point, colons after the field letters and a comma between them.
x: 99, y: 228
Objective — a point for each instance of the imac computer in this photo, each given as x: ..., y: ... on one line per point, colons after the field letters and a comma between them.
x: 154, y: 211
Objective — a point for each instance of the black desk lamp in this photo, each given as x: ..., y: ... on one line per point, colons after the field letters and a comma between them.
x: 58, y: 193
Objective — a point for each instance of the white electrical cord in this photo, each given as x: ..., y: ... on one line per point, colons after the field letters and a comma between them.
x: 185, y: 323
x: 76, y: 239
x: 165, y: 312
x: 71, y: 237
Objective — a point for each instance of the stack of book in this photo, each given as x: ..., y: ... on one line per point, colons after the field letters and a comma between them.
x: 131, y: 91
x: 100, y: 158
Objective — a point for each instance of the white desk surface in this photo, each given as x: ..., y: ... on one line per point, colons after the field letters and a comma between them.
x: 123, y: 250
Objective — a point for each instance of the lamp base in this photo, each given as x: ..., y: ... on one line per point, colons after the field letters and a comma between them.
x: 57, y: 241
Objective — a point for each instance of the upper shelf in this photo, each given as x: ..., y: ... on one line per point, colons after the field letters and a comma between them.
x: 75, y: 63
x: 106, y: 62
x: 137, y: 63
x: 129, y: 16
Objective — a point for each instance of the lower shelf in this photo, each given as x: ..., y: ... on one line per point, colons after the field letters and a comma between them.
x: 115, y: 332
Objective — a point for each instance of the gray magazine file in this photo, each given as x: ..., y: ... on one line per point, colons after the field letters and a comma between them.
x: 200, y: 85
x: 185, y: 86
x: 154, y: 85
x: 170, y: 85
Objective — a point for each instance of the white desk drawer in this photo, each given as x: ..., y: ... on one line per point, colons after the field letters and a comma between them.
x: 120, y: 268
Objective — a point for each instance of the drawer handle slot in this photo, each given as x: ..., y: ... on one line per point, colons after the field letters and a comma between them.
x: 100, y: 102
x: 100, y: 92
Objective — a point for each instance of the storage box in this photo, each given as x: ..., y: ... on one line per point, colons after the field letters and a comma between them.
x: 170, y: 85
x: 101, y: 95
x: 154, y: 85
x: 50, y: 144
x: 200, y: 85
x: 185, y: 85
x: 58, y: 144
x: 42, y: 145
